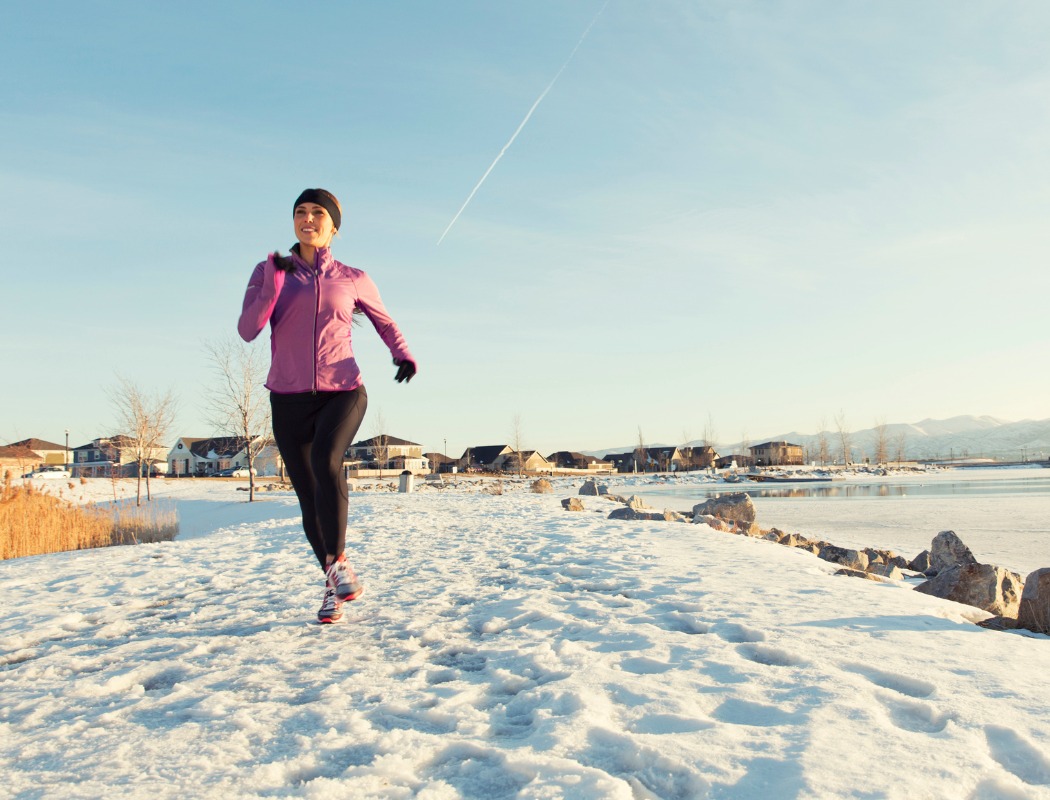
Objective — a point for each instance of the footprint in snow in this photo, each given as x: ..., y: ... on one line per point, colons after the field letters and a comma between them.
x: 738, y: 634
x: 1018, y: 756
x: 770, y: 656
x: 917, y: 717
x: 912, y: 687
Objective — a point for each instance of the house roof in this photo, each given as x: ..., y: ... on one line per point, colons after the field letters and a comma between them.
x: 383, y: 440
x: 118, y: 441
x: 439, y: 458
x: 766, y: 445
x: 485, y: 454
x: 18, y: 451
x: 220, y: 445
x: 38, y: 444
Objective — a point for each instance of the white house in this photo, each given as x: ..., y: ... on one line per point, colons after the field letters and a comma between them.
x: 206, y: 456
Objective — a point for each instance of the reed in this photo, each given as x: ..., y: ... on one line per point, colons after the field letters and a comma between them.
x: 33, y: 522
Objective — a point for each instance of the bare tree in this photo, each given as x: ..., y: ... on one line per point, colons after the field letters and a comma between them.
x: 823, y: 450
x: 380, y: 441
x: 709, y: 432
x: 690, y: 460
x: 516, y: 443
x: 640, y: 453
x: 882, y: 444
x: 844, y: 438
x: 901, y: 441
x: 239, y: 404
x: 146, y: 420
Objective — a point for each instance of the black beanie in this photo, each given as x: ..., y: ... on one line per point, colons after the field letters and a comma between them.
x: 323, y: 198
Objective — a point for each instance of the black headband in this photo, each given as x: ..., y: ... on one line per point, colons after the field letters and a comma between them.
x: 323, y: 198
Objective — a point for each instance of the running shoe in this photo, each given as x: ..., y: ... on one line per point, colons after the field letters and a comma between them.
x: 331, y: 608
x: 342, y: 580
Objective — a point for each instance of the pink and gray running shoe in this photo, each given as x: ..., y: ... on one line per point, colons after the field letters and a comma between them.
x: 342, y: 580
x: 331, y: 608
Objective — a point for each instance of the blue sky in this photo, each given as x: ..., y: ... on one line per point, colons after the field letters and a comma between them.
x: 752, y: 215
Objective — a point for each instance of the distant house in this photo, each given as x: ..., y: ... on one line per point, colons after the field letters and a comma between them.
x: 199, y: 456
x: 19, y: 458
x: 735, y: 462
x: 526, y: 461
x: 388, y: 452
x: 649, y: 459
x: 702, y: 457
x: 567, y: 459
x: 112, y: 455
x: 624, y: 462
x: 486, y: 458
x: 775, y: 454
x: 439, y: 462
x: 49, y: 452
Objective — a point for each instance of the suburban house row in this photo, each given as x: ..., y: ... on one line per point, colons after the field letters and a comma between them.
x: 204, y: 456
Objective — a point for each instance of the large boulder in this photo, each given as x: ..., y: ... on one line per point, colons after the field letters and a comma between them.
x: 851, y: 559
x: 948, y: 550
x: 736, y: 507
x: 542, y: 486
x: 572, y: 504
x: 985, y: 586
x: 1034, y: 610
x: 590, y: 487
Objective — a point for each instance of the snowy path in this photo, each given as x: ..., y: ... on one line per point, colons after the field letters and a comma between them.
x: 503, y: 648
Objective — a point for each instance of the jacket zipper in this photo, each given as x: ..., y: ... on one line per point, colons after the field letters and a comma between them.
x: 317, y: 311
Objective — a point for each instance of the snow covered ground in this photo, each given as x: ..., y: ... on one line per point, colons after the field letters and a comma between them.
x: 504, y: 648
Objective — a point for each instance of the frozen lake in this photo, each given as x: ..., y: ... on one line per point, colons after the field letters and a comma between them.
x: 1002, y: 514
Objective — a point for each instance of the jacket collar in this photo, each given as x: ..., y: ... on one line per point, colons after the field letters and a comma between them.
x: 324, y: 259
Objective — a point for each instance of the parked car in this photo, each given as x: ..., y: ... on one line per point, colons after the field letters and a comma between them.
x: 224, y: 473
x: 241, y: 472
x: 49, y: 472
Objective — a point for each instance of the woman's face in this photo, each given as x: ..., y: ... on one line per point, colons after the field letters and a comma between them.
x: 313, y: 225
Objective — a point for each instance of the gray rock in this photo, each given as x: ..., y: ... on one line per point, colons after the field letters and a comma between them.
x: 1034, y: 610
x: 985, y: 586
x: 635, y: 502
x: 590, y: 487
x: 629, y: 513
x: 948, y: 550
x: 572, y: 504
x: 891, y: 571
x: 851, y: 559
x: 921, y: 562
x: 857, y: 573
x: 736, y: 507
x: 542, y: 486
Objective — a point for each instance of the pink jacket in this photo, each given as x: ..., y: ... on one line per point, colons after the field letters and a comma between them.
x: 310, y: 311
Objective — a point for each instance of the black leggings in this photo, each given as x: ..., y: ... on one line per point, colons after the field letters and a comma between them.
x: 312, y: 432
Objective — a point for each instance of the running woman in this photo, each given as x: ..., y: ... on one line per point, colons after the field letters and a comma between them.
x: 317, y: 396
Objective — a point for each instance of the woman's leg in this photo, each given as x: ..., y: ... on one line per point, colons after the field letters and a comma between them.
x: 336, y: 428
x: 294, y: 420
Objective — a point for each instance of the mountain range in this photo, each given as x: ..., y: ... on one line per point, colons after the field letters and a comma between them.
x: 958, y: 437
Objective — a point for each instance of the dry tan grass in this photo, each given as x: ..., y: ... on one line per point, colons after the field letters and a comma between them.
x: 33, y: 522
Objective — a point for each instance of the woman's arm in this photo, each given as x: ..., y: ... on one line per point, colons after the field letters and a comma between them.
x: 264, y: 287
x: 369, y: 301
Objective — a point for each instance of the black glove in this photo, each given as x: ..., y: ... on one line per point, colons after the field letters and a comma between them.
x: 405, y: 370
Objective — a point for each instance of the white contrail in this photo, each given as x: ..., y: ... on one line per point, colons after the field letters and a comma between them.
x: 539, y: 100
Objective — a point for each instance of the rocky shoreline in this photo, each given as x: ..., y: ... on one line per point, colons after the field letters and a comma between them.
x: 948, y: 569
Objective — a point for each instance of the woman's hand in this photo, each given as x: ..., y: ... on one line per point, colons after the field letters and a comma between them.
x: 273, y: 275
x: 405, y: 370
